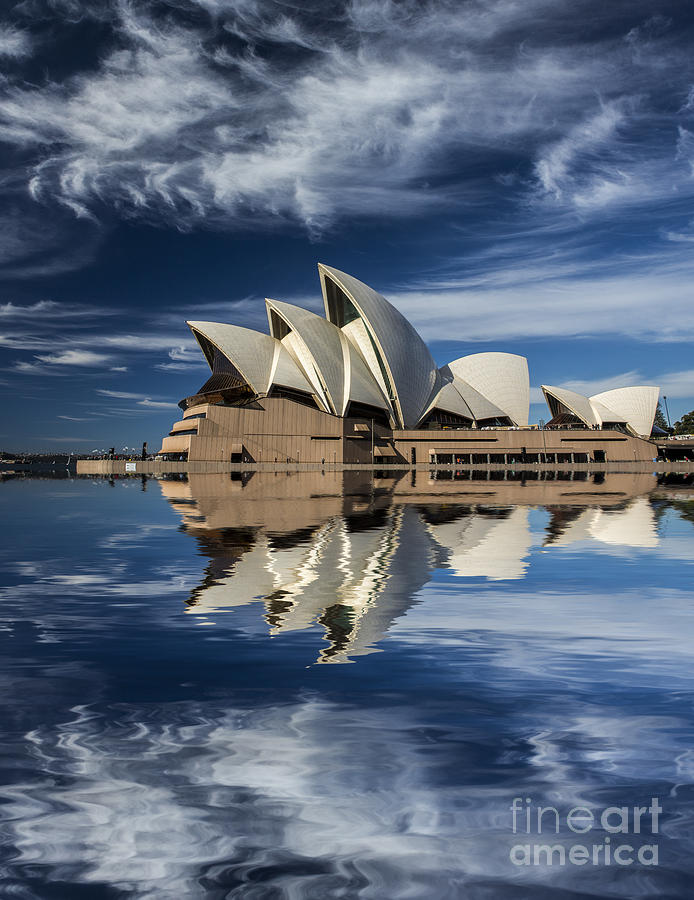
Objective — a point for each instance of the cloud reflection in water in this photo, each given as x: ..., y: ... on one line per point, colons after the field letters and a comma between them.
x: 538, y: 642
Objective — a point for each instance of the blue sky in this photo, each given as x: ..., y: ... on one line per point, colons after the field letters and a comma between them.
x: 512, y: 175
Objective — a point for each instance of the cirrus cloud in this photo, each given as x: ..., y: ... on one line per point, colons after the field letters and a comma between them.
x: 373, y: 110
x: 14, y: 43
x: 74, y: 358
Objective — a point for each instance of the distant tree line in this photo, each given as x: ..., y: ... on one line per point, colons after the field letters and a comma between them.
x: 685, y: 425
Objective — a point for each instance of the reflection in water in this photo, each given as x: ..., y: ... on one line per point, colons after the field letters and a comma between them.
x: 486, y: 543
x: 317, y: 799
x: 537, y: 638
x: 633, y: 526
x: 350, y: 555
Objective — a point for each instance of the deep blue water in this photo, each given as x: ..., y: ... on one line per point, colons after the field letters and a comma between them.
x: 291, y: 686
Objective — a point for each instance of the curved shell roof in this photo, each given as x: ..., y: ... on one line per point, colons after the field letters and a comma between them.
x: 603, y: 414
x: 632, y: 406
x: 323, y: 343
x: 409, y: 367
x: 480, y: 406
x: 261, y: 360
x: 361, y: 386
x: 635, y: 404
x: 286, y: 372
x: 579, y: 405
x: 448, y: 399
x: 500, y: 377
x: 343, y: 373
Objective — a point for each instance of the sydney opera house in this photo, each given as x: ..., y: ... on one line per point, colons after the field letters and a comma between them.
x: 360, y: 386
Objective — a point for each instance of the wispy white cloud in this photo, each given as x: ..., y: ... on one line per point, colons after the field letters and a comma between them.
x: 120, y: 395
x: 180, y: 366
x: 147, y: 342
x: 74, y: 358
x: 157, y: 404
x: 20, y: 341
x: 14, y: 43
x: 44, y: 309
x: 12, y: 311
x: 23, y: 367
x: 679, y: 237
x: 532, y: 299
x: 34, y: 243
x: 88, y: 346
x: 141, y: 399
x: 369, y: 115
x: 133, y: 412
x: 559, y: 159
x: 679, y: 385
x: 183, y: 359
x: 184, y: 353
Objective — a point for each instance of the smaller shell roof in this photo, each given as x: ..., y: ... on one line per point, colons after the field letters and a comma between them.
x: 636, y: 404
x: 633, y: 406
x: 480, y: 407
x: 500, y: 377
x: 259, y: 358
x: 579, y: 405
x: 323, y: 341
x: 345, y: 374
x: 603, y: 414
x: 448, y: 399
x: 286, y: 373
x: 361, y: 385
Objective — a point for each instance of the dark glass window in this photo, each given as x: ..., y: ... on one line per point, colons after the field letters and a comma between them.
x: 341, y: 310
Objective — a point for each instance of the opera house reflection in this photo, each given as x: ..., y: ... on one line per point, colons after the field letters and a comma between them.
x: 349, y: 553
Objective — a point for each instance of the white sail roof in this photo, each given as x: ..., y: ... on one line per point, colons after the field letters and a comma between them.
x: 603, y: 414
x: 408, y: 368
x: 480, y: 406
x: 448, y: 399
x: 637, y: 405
x: 365, y: 352
x: 322, y: 343
x: 286, y: 373
x: 326, y: 356
x: 579, y: 405
x: 259, y: 358
x: 361, y: 386
x: 500, y: 377
x: 631, y: 406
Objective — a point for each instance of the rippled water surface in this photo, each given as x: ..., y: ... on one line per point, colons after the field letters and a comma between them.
x: 323, y: 686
